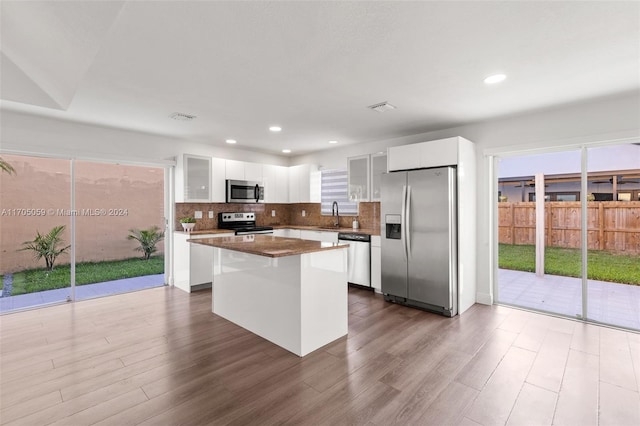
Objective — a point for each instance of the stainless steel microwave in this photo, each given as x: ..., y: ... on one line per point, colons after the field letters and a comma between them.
x: 242, y: 191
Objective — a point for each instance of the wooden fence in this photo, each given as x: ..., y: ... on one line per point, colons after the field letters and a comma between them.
x: 611, y: 225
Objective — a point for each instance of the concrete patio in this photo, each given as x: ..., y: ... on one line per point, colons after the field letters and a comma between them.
x: 87, y: 291
x: 609, y: 303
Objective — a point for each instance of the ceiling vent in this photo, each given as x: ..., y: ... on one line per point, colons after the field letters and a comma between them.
x: 382, y: 107
x: 182, y: 117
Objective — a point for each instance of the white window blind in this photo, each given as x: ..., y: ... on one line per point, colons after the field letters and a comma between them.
x: 334, y: 185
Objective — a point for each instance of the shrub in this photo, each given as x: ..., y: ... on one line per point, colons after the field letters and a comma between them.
x: 47, y: 246
x: 148, y: 238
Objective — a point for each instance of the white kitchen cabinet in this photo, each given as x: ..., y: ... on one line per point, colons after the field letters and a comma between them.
x: 193, y: 179
x: 234, y: 169
x: 192, y: 263
x: 376, y: 263
x: 287, y: 233
x: 325, y: 236
x: 304, y: 184
x: 441, y: 152
x: 218, y: 186
x: 358, y: 169
x: 242, y: 170
x: 378, y: 167
x: 253, y: 172
x: 276, y: 183
x: 282, y: 184
x: 404, y: 157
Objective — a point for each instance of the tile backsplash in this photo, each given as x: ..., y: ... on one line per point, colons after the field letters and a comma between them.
x: 285, y: 214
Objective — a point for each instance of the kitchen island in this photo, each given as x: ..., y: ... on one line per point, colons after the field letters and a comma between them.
x: 289, y: 291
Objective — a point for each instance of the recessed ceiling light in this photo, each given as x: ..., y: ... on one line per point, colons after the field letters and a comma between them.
x: 230, y: 141
x: 182, y: 117
x: 286, y: 151
x: 493, y: 79
x: 275, y: 128
x: 333, y: 142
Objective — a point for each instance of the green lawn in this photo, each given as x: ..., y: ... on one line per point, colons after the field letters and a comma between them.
x: 601, y: 265
x: 33, y: 280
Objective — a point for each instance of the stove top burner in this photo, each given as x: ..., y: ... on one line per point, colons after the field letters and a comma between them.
x: 242, y: 222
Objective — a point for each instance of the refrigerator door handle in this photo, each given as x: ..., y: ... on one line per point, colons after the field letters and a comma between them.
x: 408, y: 222
x: 403, y: 222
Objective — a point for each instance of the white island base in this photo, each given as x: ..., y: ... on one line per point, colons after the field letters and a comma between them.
x: 298, y: 302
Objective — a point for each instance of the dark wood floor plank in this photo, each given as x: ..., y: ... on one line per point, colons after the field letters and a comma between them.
x: 160, y: 357
x: 495, y: 401
x: 477, y: 371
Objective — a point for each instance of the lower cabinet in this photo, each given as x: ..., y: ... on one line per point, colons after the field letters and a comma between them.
x: 325, y: 236
x: 192, y: 263
x: 287, y: 233
x: 376, y: 262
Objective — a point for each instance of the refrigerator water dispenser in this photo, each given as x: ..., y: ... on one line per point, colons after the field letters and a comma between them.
x: 393, y: 226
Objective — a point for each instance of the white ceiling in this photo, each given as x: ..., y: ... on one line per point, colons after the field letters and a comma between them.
x: 310, y: 67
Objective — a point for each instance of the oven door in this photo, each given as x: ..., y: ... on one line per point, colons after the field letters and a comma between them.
x: 240, y: 191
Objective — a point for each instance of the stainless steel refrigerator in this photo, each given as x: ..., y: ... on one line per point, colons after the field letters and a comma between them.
x: 419, y: 239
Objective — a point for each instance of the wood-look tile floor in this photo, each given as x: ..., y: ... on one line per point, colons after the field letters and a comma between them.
x: 160, y: 357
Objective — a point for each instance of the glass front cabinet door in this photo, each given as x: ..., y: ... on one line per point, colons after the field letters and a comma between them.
x: 197, y: 178
x: 358, y: 171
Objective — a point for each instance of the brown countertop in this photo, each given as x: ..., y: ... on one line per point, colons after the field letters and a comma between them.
x: 300, y: 227
x: 329, y: 229
x: 267, y: 245
x: 206, y: 231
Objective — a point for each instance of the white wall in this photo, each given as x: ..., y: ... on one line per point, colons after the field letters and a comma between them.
x: 616, y: 117
x: 37, y: 134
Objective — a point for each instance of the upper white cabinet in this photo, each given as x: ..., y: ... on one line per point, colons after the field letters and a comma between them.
x: 253, y: 172
x: 196, y: 179
x: 234, y: 170
x: 276, y: 183
x: 441, y: 152
x: 218, y: 186
x: 365, y: 174
x: 241, y: 170
x: 378, y: 167
x: 304, y: 184
x: 359, y: 177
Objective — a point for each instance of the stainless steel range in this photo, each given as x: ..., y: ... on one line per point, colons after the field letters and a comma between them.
x: 243, y: 223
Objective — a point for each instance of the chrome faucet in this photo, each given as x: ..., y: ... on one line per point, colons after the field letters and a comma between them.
x: 334, y: 212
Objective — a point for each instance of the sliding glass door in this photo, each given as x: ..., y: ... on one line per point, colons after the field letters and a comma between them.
x: 35, y: 229
x: 577, y: 253
x: 73, y: 229
x: 539, y: 214
x: 613, y: 226
x: 119, y: 228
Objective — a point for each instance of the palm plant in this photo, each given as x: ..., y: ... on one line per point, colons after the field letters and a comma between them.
x: 148, y: 238
x: 48, y: 246
x: 6, y: 167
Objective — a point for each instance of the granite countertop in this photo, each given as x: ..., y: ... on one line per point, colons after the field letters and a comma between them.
x: 301, y: 227
x: 268, y: 245
x: 367, y: 231
x: 207, y: 231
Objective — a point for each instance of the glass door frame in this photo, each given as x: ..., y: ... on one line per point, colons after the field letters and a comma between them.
x: 168, y: 167
x: 492, y: 157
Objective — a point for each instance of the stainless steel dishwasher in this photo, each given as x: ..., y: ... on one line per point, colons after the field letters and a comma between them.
x: 359, y: 260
